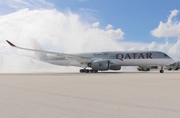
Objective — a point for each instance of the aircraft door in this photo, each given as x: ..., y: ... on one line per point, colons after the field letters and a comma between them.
x: 155, y: 58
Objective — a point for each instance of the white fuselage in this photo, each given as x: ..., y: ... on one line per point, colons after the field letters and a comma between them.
x: 151, y: 58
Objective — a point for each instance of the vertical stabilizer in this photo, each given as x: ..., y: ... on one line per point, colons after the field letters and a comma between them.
x: 37, y: 46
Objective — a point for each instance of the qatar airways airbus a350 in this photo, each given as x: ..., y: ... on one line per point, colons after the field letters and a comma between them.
x: 101, y: 61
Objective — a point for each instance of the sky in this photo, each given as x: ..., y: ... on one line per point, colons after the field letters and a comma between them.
x: 136, y: 18
x: 75, y: 26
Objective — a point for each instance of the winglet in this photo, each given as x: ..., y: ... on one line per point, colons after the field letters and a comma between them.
x: 11, y: 43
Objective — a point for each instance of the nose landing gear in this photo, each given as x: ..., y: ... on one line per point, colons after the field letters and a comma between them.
x: 161, y: 71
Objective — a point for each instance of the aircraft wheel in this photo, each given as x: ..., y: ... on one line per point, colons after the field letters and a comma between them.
x: 177, y: 68
x: 95, y: 71
x: 86, y: 71
x: 91, y: 71
x: 169, y: 69
x: 161, y: 71
x: 81, y: 71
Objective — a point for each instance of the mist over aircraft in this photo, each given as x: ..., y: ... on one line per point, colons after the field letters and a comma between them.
x: 101, y: 61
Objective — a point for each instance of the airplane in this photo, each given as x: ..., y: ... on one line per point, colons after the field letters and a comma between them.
x: 101, y: 61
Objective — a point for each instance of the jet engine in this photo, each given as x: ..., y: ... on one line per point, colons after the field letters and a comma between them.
x: 100, y: 65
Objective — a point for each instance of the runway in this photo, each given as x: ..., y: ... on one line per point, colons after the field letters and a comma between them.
x: 111, y: 94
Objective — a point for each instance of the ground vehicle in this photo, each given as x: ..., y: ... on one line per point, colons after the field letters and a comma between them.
x: 175, y: 66
x: 146, y: 68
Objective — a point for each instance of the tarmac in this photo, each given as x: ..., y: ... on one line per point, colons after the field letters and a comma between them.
x: 77, y: 95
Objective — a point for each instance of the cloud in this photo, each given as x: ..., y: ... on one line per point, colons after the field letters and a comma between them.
x: 175, y: 49
x: 56, y: 29
x: 96, y: 24
x: 171, y: 28
x: 90, y: 15
x: 153, y: 46
x: 109, y: 26
x: 20, y: 4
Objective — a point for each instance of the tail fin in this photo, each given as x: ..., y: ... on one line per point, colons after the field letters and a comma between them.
x: 37, y: 46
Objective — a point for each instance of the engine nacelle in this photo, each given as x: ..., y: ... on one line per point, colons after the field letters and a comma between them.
x: 100, y: 65
x: 115, y: 68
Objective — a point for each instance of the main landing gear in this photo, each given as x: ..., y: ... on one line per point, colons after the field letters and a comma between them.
x: 88, y: 71
x: 161, y: 71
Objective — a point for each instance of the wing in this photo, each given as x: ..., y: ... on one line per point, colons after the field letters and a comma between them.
x: 67, y: 56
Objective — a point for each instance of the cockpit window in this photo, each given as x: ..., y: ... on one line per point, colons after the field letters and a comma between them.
x: 165, y: 55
